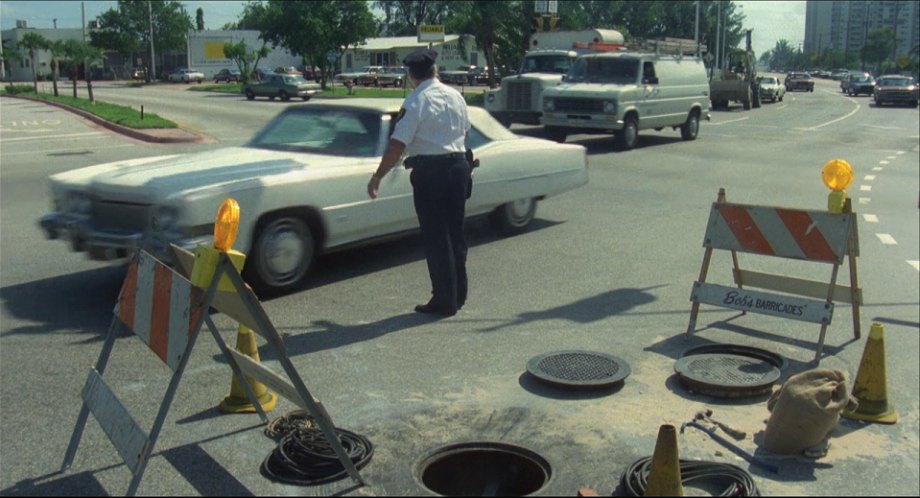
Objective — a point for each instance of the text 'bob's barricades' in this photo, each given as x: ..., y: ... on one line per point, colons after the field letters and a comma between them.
x: 807, y: 235
x: 166, y: 311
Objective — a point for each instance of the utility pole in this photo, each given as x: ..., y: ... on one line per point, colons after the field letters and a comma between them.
x: 718, y: 35
x: 696, y: 28
x: 153, y: 64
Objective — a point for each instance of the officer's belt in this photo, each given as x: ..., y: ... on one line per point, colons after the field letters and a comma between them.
x: 433, y: 159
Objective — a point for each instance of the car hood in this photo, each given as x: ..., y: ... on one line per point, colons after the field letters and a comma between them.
x: 158, y: 179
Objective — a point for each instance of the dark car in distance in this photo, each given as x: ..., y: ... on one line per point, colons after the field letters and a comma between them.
x: 227, y: 75
x: 858, y: 83
x: 799, y: 81
x: 896, y: 89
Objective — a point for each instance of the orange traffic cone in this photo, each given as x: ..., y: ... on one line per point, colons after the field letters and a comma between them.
x: 871, y: 386
x: 237, y: 401
x: 664, y: 475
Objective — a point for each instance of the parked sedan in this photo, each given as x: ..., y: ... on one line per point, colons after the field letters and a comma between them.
x: 799, y: 81
x: 300, y: 184
x: 392, y: 76
x: 771, y: 88
x: 186, y: 75
x: 283, y: 86
x: 227, y: 75
x: 896, y: 89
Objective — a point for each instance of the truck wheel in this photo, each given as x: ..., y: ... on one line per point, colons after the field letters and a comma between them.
x: 756, y: 100
x: 628, y: 137
x: 556, y: 134
x: 250, y: 95
x: 690, y: 129
x: 747, y: 101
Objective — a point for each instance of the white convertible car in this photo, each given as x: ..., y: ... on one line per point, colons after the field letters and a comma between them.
x: 301, y: 184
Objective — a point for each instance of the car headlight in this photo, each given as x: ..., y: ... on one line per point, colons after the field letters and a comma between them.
x: 610, y: 107
x: 164, y: 218
x: 549, y: 105
x: 78, y: 202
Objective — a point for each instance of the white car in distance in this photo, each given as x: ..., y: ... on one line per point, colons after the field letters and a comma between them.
x: 186, y: 76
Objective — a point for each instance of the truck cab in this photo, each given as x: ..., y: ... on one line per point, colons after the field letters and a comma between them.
x: 551, y: 55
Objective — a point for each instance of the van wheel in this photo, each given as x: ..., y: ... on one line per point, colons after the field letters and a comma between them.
x: 628, y: 137
x: 690, y: 129
x: 556, y: 134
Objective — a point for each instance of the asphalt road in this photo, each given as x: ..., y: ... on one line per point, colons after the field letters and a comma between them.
x: 608, y: 268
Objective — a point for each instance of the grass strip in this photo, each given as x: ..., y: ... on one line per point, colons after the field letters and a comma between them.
x: 119, y: 114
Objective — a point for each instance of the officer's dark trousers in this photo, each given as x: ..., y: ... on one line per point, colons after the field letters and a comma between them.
x: 440, y: 191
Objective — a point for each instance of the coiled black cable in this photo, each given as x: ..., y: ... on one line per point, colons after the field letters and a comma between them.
x: 736, y: 480
x: 304, y: 456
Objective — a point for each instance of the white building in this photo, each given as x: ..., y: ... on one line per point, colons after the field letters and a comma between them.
x: 21, y: 70
x: 206, y: 51
x: 390, y: 51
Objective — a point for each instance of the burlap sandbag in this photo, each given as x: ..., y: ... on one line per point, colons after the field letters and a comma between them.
x: 805, y: 409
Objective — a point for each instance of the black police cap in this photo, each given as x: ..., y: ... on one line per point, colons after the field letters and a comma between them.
x: 420, y: 59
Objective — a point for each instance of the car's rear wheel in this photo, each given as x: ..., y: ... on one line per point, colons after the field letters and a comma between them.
x: 306, y: 98
x: 628, y: 137
x: 284, y: 96
x: 690, y: 129
x: 281, y: 255
x: 513, y: 217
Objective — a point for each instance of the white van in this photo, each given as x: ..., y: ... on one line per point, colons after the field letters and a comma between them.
x: 625, y: 92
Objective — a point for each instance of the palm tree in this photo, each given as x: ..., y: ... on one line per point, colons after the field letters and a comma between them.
x: 56, y: 48
x: 32, y: 42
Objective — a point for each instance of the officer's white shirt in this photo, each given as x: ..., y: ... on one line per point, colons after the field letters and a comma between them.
x: 433, y: 120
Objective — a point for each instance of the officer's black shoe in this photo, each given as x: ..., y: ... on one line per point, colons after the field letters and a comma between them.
x: 431, y: 309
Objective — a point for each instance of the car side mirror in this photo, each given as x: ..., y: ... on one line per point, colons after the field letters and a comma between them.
x: 563, y: 77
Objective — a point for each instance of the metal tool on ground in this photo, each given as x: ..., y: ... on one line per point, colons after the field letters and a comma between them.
x: 711, y: 431
x: 731, y: 431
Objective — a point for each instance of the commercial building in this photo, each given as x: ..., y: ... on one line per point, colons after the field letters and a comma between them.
x: 453, y: 52
x: 845, y: 24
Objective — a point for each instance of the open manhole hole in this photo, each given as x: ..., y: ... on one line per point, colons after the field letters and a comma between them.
x: 578, y: 369
x: 729, y: 371
x: 484, y: 469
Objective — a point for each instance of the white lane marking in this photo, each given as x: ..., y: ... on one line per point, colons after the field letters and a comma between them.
x: 899, y: 152
x: 886, y: 239
x: 891, y: 157
x: 865, y: 188
x: 95, y: 148
x: 49, y: 137
x: 870, y: 218
x: 865, y: 200
x: 835, y: 120
x: 726, y: 122
x: 869, y: 178
x: 915, y: 264
x: 883, y: 162
x: 877, y: 168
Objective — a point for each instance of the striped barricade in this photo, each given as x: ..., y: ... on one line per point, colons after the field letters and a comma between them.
x: 806, y: 235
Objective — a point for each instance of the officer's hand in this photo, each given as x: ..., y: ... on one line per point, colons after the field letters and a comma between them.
x: 373, y: 186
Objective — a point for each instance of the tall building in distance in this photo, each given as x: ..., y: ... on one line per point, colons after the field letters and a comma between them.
x: 845, y: 25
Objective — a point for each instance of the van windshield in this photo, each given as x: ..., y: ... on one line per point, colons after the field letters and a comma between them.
x: 604, y: 70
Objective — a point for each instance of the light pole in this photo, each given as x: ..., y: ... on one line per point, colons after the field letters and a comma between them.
x: 153, y: 63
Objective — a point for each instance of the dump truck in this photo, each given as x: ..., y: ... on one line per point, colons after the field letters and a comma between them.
x: 736, y: 79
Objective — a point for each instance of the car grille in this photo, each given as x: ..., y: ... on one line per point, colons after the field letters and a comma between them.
x: 122, y: 217
x: 579, y: 105
x: 896, y: 95
x: 519, y: 95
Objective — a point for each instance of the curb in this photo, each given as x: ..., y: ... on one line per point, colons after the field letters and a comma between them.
x: 124, y: 130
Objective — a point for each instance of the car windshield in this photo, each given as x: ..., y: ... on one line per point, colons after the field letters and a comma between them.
x: 337, y: 132
x: 861, y: 79
x: 293, y: 79
x: 895, y: 82
x: 768, y: 80
x: 560, y: 64
x: 604, y: 70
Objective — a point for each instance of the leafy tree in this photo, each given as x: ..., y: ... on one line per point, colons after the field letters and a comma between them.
x: 77, y: 54
x: 878, y: 46
x: 126, y: 29
x: 246, y: 60
x: 56, y: 49
x: 403, y: 17
x: 487, y: 21
x: 199, y: 19
x: 31, y: 43
x: 315, y: 30
x: 8, y: 54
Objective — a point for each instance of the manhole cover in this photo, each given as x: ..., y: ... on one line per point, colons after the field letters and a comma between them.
x: 578, y: 369
x: 483, y: 469
x: 729, y: 371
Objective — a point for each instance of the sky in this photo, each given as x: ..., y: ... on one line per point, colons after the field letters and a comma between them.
x: 770, y: 20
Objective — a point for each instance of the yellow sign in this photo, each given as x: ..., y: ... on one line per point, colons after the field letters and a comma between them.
x: 431, y: 33
x: 214, y: 50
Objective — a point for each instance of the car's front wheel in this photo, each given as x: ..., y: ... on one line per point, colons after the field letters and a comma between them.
x: 281, y: 254
x: 513, y: 217
x: 556, y: 134
x: 284, y: 96
x: 250, y: 95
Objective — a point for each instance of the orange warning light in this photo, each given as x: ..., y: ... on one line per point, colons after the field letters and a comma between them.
x: 837, y: 175
x: 226, y: 224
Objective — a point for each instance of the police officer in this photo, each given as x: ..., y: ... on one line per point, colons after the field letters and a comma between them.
x: 431, y: 129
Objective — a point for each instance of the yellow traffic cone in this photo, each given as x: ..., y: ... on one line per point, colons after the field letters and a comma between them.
x: 871, y: 386
x: 237, y: 401
x: 664, y: 475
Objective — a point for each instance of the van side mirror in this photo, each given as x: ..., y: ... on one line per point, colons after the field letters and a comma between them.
x: 563, y: 77
x: 651, y: 81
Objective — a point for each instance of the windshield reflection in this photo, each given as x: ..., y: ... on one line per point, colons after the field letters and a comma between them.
x: 338, y: 132
x: 604, y: 70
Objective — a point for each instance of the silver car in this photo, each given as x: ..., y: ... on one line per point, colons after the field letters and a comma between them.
x: 771, y: 88
x: 301, y: 186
